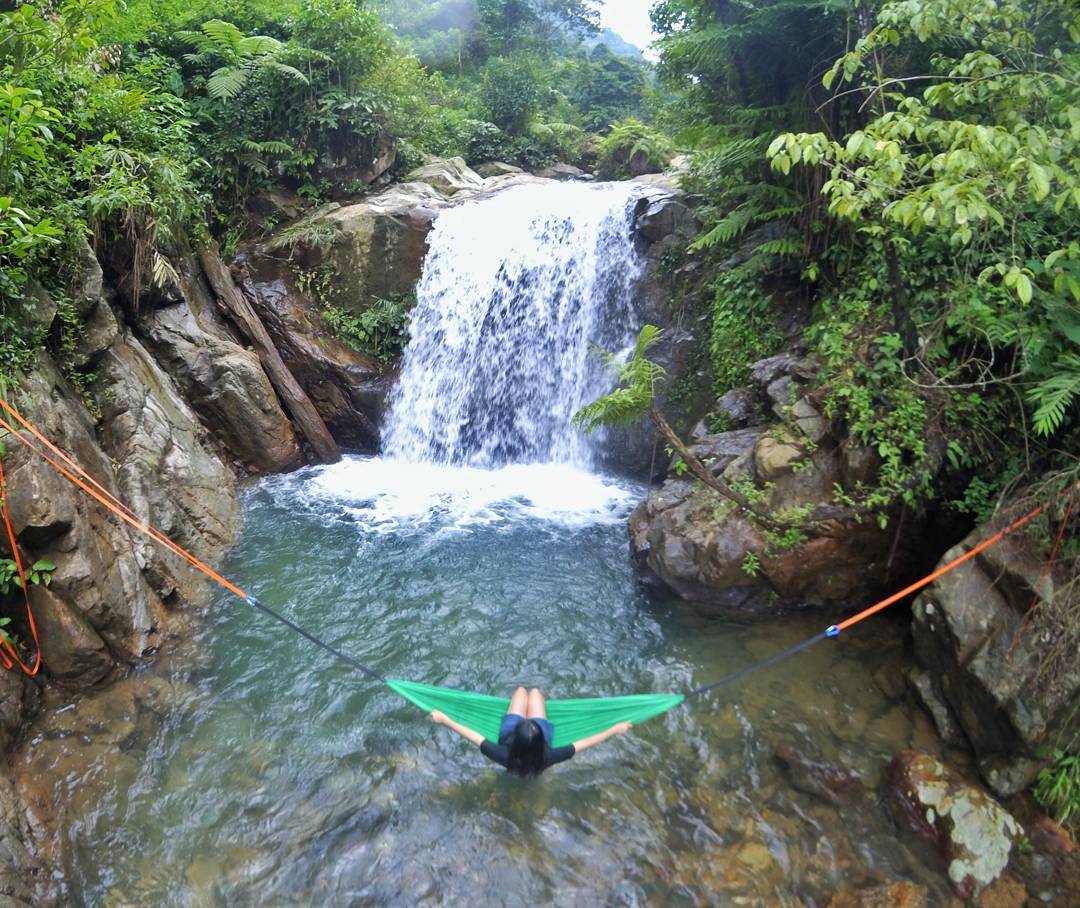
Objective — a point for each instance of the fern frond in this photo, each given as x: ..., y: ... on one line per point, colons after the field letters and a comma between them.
x: 782, y: 246
x: 726, y: 229
x: 224, y: 38
x: 227, y: 82
x: 291, y: 71
x: 1053, y: 397
x: 638, y: 378
x: 275, y: 147
x: 258, y: 46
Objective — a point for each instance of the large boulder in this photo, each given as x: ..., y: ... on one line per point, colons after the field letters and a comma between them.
x: 448, y: 176
x: 348, y: 162
x: 972, y: 832
x: 376, y: 246
x: 698, y: 544
x: 1011, y: 690
x: 112, y: 592
x: 223, y: 382
x: 662, y: 213
x: 98, y: 574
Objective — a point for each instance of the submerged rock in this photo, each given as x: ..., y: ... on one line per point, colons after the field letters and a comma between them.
x: 830, y: 784
x: 973, y: 833
x: 891, y: 895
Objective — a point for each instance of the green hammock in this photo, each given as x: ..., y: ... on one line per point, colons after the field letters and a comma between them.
x: 573, y: 719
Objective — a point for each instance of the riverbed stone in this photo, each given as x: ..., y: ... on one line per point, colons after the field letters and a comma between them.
x: 973, y: 833
x: 890, y: 895
x: 830, y: 784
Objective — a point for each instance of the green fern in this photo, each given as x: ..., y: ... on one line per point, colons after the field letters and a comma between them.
x: 1054, y: 396
x: 631, y: 400
x: 240, y: 54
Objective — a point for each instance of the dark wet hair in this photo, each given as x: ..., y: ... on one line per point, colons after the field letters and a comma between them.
x: 526, y: 749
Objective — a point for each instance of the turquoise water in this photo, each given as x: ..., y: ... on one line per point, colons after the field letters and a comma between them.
x: 248, y: 768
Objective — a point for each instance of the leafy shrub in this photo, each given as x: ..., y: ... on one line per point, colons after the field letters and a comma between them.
x: 380, y: 330
x: 511, y: 93
x: 632, y: 149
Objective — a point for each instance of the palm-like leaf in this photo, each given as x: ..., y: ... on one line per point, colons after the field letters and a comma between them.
x: 291, y: 71
x: 227, y: 82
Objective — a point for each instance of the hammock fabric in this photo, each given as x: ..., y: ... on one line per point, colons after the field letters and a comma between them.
x: 573, y: 719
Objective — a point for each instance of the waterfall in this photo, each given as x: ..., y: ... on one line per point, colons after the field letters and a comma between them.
x: 516, y: 291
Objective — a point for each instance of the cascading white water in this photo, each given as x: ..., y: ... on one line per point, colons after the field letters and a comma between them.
x: 516, y: 289
x: 515, y: 292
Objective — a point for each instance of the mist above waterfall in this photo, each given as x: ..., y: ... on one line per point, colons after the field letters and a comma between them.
x: 516, y: 291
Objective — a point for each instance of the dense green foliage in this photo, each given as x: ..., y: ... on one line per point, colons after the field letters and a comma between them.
x: 913, y: 167
x: 139, y: 124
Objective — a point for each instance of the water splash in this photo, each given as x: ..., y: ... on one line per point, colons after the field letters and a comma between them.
x: 379, y: 496
x: 515, y: 291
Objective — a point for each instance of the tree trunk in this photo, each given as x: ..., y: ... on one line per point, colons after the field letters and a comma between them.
x: 243, y: 315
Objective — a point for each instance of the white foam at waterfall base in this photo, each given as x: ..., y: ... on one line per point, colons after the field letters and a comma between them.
x: 385, y: 495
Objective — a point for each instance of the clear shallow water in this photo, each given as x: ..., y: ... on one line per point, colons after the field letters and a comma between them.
x: 248, y: 768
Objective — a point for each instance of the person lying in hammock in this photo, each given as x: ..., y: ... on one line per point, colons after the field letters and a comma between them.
x: 525, y: 736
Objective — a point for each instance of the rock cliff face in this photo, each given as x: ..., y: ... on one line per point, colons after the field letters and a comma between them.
x: 1011, y: 689
x: 170, y: 410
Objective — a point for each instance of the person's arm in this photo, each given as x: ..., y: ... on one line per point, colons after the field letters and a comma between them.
x: 621, y: 729
x: 467, y: 733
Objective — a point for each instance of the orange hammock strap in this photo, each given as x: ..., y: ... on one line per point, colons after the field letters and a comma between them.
x: 7, y: 653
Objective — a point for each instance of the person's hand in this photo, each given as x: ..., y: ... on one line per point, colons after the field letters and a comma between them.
x: 623, y: 727
x: 437, y: 717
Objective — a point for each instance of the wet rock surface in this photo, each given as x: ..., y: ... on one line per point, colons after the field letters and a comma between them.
x: 1011, y: 691
x: 972, y: 832
x: 167, y: 474
x: 891, y: 895
x: 348, y: 388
